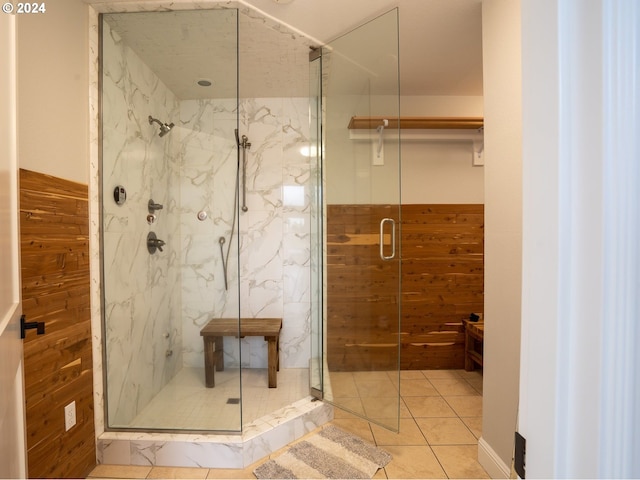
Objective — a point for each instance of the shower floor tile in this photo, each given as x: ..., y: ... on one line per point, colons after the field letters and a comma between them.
x: 186, y: 404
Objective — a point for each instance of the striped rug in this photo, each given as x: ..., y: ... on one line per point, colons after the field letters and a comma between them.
x: 330, y: 453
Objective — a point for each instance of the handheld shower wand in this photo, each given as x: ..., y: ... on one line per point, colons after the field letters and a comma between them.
x: 245, y: 145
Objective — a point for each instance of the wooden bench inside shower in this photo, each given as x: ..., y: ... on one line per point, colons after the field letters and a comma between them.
x: 214, y: 331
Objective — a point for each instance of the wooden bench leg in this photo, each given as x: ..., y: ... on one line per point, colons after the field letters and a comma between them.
x: 219, y: 354
x: 468, y: 342
x: 213, y: 359
x: 209, y: 362
x: 273, y: 361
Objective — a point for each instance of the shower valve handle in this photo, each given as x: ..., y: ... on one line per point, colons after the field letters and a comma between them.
x: 153, y: 206
x: 159, y: 244
x: 154, y: 243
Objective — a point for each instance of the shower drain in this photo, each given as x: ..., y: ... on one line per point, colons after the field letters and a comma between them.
x: 233, y: 401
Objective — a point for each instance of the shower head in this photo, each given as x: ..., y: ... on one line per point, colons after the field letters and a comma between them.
x: 164, y: 127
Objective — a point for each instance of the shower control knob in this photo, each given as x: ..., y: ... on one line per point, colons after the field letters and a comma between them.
x: 152, y: 206
x: 153, y: 243
x: 202, y: 215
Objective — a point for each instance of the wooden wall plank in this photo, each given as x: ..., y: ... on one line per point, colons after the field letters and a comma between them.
x: 54, y: 239
x: 442, y: 254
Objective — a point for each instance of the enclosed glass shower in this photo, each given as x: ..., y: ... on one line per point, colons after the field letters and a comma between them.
x: 205, y: 214
x: 226, y: 159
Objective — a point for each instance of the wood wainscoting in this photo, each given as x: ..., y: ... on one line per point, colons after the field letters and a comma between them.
x: 54, y: 242
x: 442, y: 283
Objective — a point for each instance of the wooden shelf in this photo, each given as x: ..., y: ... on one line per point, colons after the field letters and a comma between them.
x: 418, y: 123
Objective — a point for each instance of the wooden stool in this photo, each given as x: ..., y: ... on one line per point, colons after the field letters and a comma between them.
x: 213, y: 332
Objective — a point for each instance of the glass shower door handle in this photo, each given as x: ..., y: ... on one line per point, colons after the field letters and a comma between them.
x: 393, y: 239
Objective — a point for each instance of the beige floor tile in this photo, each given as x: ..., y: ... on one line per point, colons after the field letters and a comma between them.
x: 466, y: 406
x: 473, y: 374
x: 240, y: 473
x: 376, y: 388
x: 405, y: 376
x: 120, y: 471
x: 446, y: 431
x: 429, y: 407
x: 476, y: 383
x: 347, y: 407
x: 404, y: 410
x: 174, y: 472
x: 460, y: 461
x: 357, y: 426
x: 413, y: 462
x: 411, y: 374
x: 417, y: 387
x: 440, y: 374
x: 382, y: 407
x: 474, y: 424
x: 409, y: 434
x: 379, y: 375
x: 343, y: 384
x: 453, y: 386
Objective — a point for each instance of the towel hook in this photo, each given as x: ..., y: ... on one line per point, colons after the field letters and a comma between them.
x: 380, y: 129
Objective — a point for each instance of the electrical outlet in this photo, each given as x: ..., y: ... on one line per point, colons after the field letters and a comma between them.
x: 70, y: 415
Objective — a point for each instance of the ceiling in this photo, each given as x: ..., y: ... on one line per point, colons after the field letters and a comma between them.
x: 440, y: 40
x: 440, y: 44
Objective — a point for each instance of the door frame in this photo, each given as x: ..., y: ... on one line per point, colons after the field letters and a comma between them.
x: 13, y: 461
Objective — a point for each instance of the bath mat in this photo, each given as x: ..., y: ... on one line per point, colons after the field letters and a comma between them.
x: 330, y: 453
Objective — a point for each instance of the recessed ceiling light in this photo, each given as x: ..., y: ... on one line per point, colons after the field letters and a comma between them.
x: 204, y: 82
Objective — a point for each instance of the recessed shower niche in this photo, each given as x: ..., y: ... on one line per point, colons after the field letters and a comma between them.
x: 204, y: 114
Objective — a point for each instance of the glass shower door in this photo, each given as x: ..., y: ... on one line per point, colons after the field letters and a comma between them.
x: 361, y: 211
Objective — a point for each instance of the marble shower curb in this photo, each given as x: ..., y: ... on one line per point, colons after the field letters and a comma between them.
x: 258, y: 440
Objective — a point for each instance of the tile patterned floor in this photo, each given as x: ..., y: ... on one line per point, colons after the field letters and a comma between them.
x: 441, y: 421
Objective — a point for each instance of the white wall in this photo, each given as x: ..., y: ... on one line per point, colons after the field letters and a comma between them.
x: 272, y: 235
x: 53, y: 96
x: 503, y: 230
x: 432, y: 171
x: 437, y: 171
x: 581, y: 271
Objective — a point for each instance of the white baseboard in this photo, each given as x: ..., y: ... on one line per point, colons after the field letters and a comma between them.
x: 491, y: 462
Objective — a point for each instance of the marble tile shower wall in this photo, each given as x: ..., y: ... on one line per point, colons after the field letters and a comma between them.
x: 191, y: 170
x: 273, y: 239
x: 142, y: 304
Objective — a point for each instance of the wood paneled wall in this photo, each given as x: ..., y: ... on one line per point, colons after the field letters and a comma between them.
x: 442, y: 265
x: 54, y: 240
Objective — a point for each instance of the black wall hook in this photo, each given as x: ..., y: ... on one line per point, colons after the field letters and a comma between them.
x: 24, y: 326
